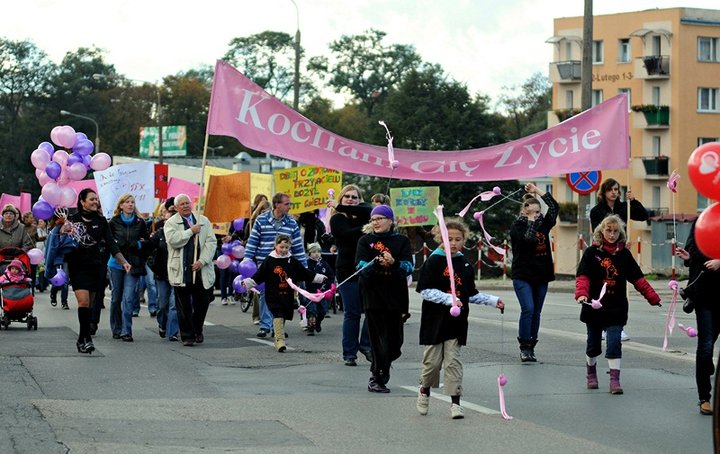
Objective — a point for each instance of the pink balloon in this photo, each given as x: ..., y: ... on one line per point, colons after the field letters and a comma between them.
x: 63, y: 178
x: 100, y: 161
x: 39, y: 159
x: 66, y: 136
x: 69, y: 197
x: 223, y: 261
x: 76, y: 171
x: 54, y: 135
x: 44, y: 179
x: 455, y: 311
x: 61, y: 157
x: 52, y: 193
x: 36, y: 256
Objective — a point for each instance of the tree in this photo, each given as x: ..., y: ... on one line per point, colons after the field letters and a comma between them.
x: 365, y: 68
x: 527, y: 110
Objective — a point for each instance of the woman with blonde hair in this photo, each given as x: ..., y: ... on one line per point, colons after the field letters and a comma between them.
x: 131, y: 235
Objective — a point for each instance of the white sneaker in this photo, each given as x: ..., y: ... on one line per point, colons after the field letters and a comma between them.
x: 457, y: 412
x: 623, y: 336
x: 224, y: 301
x: 232, y: 301
x: 256, y: 322
x: 423, y: 403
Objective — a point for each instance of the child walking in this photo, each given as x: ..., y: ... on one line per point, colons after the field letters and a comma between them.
x: 279, y: 296
x: 607, y: 263
x: 316, y: 311
x: 441, y: 333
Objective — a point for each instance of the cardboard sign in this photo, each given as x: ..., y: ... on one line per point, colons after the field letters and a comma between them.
x: 137, y: 179
x: 414, y: 206
x: 307, y: 186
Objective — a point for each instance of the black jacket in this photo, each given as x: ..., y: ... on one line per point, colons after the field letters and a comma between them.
x: 603, y: 210
x: 703, y: 289
x: 532, y: 256
x: 347, y: 230
x: 128, y: 237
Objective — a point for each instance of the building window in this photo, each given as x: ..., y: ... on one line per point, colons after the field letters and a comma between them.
x: 708, y: 49
x: 656, y: 146
x: 624, y: 50
x: 568, y: 50
x: 629, y: 95
x: 702, y: 202
x: 656, y: 45
x: 569, y: 99
x: 707, y: 99
x: 704, y: 140
x: 597, y: 52
x: 656, y: 196
x: 656, y: 95
x: 597, y: 97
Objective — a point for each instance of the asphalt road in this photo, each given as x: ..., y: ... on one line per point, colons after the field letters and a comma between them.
x: 234, y: 393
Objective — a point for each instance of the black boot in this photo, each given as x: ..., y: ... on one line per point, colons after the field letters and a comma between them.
x: 533, y: 343
x: 526, y: 352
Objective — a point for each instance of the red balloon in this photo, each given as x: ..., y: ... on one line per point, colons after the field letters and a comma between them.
x: 706, y: 231
x: 704, y: 169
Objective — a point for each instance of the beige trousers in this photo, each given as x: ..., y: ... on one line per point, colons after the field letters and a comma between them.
x: 443, y: 356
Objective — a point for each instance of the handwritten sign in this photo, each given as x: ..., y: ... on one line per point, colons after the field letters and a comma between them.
x: 137, y: 179
x: 414, y: 206
x: 307, y: 186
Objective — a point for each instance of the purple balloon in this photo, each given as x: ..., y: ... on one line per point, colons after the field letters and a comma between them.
x: 86, y: 160
x: 226, y: 248
x: 59, y: 279
x: 53, y: 170
x: 247, y: 268
x: 238, y: 224
x: 237, y: 285
x: 83, y: 147
x: 80, y: 136
x: 234, y: 267
x: 47, y: 146
x: 42, y: 210
x: 73, y: 158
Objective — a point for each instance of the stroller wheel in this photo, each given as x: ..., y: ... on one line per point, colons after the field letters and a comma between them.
x: 34, y: 323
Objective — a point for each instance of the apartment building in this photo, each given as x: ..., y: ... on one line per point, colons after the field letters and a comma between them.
x: 668, y: 62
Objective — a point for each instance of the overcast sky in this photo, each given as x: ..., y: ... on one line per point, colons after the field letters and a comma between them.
x: 485, y: 44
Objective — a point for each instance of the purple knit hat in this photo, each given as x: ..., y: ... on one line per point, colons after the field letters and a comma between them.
x: 383, y: 210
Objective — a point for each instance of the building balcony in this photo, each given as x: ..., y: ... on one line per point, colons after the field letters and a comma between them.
x: 656, y: 67
x: 656, y: 167
x: 656, y: 117
x: 657, y: 211
x: 564, y: 72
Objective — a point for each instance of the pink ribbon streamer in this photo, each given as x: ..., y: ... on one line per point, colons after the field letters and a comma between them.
x: 501, y: 381
x: 483, y: 196
x: 390, y: 149
x: 446, y: 246
x: 670, y: 317
x: 479, y: 216
x: 314, y: 297
x: 673, y: 181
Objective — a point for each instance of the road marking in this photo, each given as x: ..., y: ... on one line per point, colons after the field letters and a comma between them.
x: 465, y: 404
x: 266, y: 342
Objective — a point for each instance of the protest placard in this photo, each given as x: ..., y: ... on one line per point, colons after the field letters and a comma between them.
x: 307, y: 186
x: 414, y: 206
x: 136, y: 179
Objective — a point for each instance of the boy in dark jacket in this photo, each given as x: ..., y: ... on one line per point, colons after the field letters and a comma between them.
x: 316, y: 311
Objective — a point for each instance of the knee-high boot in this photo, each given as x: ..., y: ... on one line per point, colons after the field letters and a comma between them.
x: 279, y: 327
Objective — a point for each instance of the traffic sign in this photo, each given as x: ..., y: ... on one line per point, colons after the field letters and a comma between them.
x: 584, y: 182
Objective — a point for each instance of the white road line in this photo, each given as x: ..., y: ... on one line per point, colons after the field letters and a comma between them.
x: 464, y: 403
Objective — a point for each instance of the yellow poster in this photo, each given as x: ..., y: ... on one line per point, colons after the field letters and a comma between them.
x: 307, y: 186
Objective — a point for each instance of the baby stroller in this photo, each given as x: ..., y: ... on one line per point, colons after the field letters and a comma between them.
x: 17, y: 298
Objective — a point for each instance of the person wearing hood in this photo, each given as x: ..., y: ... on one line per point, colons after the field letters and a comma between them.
x: 12, y: 231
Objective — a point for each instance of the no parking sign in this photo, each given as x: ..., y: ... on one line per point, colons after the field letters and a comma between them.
x: 584, y: 182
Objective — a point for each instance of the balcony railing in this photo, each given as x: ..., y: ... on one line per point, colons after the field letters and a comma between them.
x: 569, y: 70
x: 656, y: 166
x: 657, y: 66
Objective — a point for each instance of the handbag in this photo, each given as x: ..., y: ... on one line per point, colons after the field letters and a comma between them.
x: 689, y: 303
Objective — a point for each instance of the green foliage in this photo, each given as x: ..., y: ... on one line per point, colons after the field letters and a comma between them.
x: 648, y: 108
x: 526, y: 106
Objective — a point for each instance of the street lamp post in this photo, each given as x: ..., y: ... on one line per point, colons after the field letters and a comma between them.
x: 84, y: 117
x: 213, y: 149
x: 296, y: 83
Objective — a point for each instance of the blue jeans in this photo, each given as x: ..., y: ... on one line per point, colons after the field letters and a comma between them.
x: 122, y: 301
x: 266, y: 317
x: 152, y: 293
x: 352, y: 311
x: 708, y: 327
x: 225, y: 283
x: 167, y: 314
x: 531, y: 298
x: 593, y: 347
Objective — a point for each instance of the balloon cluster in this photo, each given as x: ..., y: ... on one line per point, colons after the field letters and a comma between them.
x: 55, y: 168
x: 232, y: 253
x: 704, y: 173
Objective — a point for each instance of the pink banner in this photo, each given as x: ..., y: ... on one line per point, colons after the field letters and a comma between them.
x: 82, y: 184
x: 179, y: 186
x: 22, y: 202
x: 596, y: 139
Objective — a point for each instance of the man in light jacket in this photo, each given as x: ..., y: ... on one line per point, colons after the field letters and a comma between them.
x: 191, y: 247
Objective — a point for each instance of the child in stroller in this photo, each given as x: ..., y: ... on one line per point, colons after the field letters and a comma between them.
x: 16, y: 288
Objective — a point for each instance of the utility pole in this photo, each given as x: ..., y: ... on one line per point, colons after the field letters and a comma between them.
x: 585, y: 104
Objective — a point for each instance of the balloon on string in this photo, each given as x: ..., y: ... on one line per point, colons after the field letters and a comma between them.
x: 76, y: 171
x: 59, y: 279
x: 47, y: 146
x: 237, y: 284
x: 247, y: 268
x: 54, y: 135
x: 704, y: 169
x: 42, y: 210
x: 234, y: 267
x: 226, y: 248
x: 223, y: 261
x: 53, y: 170
x: 73, y: 158
x: 69, y: 197
x: 86, y: 161
x: 83, y: 147
x: 44, y: 179
x: 706, y: 231
x: 52, y: 193
x: 238, y: 224
x: 61, y: 157
x: 66, y: 136
x: 36, y: 256
x: 40, y: 159
x: 80, y: 136
x: 238, y: 251
x: 100, y: 161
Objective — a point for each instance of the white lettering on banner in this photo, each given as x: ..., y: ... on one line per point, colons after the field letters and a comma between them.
x: 552, y: 151
x: 294, y: 131
x: 285, y: 126
x: 430, y: 167
x: 246, y: 108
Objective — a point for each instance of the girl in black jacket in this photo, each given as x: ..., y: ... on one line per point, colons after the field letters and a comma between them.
x: 532, y: 265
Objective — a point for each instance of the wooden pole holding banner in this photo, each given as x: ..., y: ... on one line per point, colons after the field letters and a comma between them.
x: 201, y: 198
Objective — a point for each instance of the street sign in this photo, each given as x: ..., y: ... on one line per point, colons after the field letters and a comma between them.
x: 584, y: 182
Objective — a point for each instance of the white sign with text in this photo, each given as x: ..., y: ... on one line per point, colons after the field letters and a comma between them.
x: 137, y: 179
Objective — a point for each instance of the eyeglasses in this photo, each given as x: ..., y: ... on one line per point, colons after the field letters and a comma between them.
x: 350, y: 196
x: 378, y: 219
